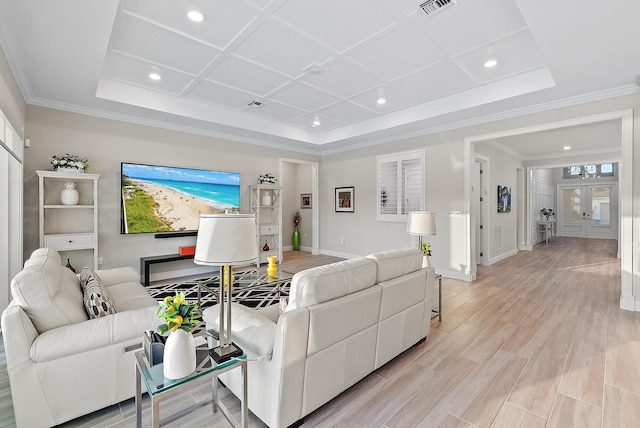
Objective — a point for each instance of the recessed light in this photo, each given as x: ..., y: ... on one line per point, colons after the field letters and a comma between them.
x: 315, y: 123
x: 195, y: 16
x: 566, y: 148
x: 155, y: 76
x: 490, y: 63
x: 381, y: 101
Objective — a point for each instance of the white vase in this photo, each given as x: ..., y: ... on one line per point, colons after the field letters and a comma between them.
x: 179, y: 355
x: 266, y: 199
x: 69, y: 195
x: 426, y: 261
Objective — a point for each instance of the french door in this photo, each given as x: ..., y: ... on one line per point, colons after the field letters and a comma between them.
x: 588, y: 211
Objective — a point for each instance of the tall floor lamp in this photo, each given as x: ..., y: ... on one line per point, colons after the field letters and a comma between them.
x: 225, y: 240
x: 422, y: 223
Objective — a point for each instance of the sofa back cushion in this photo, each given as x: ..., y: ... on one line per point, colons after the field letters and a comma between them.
x: 395, y: 263
x: 48, y: 292
x: 323, y: 283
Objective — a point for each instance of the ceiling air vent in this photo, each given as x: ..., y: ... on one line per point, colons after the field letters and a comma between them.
x: 431, y: 7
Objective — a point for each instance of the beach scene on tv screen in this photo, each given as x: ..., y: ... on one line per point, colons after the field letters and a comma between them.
x: 169, y: 199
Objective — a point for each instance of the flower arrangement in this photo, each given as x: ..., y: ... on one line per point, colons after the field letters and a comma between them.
x: 547, y: 212
x: 267, y: 179
x: 296, y: 219
x: 426, y: 249
x: 69, y: 161
x: 178, y: 314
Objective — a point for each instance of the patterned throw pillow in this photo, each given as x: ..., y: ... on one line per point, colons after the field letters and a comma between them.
x: 97, y: 300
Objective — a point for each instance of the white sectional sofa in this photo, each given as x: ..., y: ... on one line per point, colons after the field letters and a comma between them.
x: 343, y: 321
x: 62, y: 364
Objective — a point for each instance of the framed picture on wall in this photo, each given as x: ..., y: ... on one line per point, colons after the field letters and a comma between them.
x: 345, y: 199
x: 305, y: 200
x: 504, y: 199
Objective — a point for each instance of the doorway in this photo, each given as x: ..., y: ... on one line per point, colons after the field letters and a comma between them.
x: 624, y: 119
x: 297, y: 178
x: 588, y: 211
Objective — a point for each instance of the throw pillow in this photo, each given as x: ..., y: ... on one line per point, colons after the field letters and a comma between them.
x: 85, y: 275
x: 97, y: 300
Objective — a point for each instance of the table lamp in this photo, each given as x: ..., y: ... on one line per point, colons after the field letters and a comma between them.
x: 421, y: 223
x: 225, y: 240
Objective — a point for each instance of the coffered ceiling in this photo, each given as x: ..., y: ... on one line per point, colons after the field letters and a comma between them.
x: 307, y: 75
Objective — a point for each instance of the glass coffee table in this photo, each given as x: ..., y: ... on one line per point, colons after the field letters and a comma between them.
x: 159, y: 387
x: 251, y: 288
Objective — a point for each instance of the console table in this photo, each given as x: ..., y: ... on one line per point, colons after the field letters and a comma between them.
x: 547, y: 228
x: 145, y: 262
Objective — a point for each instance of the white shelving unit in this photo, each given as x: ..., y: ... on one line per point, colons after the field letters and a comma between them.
x: 71, y: 230
x: 266, y: 205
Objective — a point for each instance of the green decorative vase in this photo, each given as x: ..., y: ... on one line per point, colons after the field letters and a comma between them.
x: 296, y: 240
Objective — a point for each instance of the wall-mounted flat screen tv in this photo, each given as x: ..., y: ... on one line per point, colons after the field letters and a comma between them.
x: 169, y: 200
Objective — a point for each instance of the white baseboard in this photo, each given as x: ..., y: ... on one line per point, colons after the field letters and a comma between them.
x: 338, y: 254
x: 629, y: 303
x: 462, y: 276
x: 502, y: 256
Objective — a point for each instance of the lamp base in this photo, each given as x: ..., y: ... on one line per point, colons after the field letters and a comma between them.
x: 221, y: 354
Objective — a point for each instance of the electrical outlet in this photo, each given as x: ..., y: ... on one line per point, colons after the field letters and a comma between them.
x: 100, y: 260
x: 342, y: 240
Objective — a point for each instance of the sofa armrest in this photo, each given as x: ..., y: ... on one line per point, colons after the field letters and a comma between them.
x: 18, y: 334
x: 253, y: 331
x: 93, y: 334
x: 118, y: 275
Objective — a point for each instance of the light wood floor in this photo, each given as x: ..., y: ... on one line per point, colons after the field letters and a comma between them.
x: 537, y: 340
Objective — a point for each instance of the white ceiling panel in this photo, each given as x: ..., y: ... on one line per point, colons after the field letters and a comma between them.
x: 96, y: 57
x: 403, y: 53
x: 515, y: 53
x: 238, y: 73
x: 305, y: 97
x: 433, y: 82
x: 347, y: 112
x: 135, y: 71
x: 276, y: 111
x: 219, y: 95
x: 273, y: 45
x: 224, y: 19
x: 470, y: 23
x: 152, y: 43
x: 331, y: 21
x: 343, y: 79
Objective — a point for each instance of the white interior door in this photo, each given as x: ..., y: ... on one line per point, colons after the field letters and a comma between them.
x: 588, y: 211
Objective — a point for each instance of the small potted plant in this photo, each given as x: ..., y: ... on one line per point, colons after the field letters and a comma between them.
x: 426, y: 250
x: 180, y: 316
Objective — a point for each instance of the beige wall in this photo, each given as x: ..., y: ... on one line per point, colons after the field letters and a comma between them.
x: 106, y: 143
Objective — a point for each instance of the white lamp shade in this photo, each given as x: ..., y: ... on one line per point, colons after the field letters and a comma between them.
x: 226, y: 239
x: 421, y: 223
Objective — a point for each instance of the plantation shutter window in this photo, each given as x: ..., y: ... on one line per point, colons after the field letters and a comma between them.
x: 400, y: 185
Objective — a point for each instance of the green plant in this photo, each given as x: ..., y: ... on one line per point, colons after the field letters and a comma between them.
x: 178, y: 314
x: 426, y: 249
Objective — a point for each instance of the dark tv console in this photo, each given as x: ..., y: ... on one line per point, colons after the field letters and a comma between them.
x: 145, y: 262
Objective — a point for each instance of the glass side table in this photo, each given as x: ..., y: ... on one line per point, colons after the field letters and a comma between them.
x: 159, y: 388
